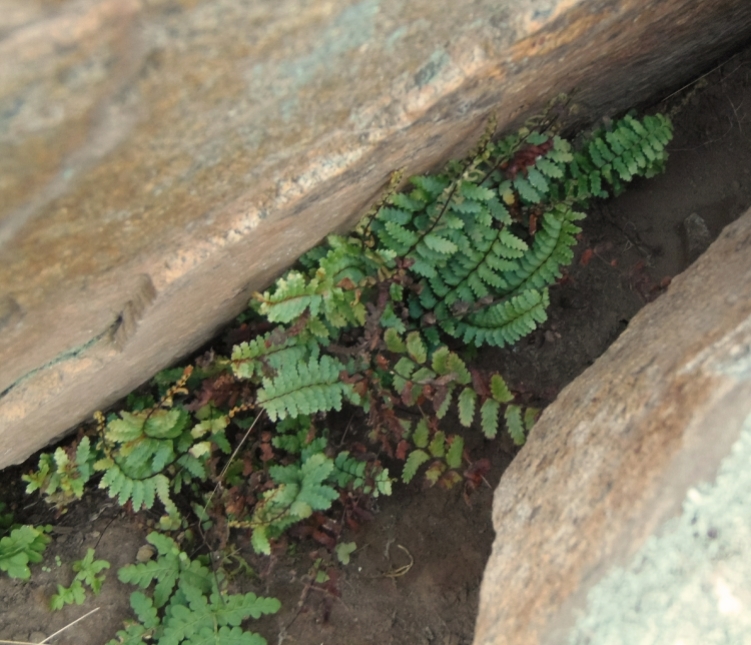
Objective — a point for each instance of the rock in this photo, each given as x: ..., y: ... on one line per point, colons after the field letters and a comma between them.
x: 161, y: 160
x: 697, y: 237
x: 628, y: 511
x: 145, y: 553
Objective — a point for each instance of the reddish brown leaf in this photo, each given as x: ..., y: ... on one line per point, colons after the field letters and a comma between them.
x: 532, y: 224
x: 267, y: 452
x: 479, y: 384
x: 449, y: 480
x: 382, y: 361
x: 439, y: 396
x: 324, y: 538
x: 477, y: 471
x: 406, y: 394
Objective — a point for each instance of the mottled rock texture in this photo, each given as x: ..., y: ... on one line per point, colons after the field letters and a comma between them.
x: 161, y: 159
x: 613, y: 457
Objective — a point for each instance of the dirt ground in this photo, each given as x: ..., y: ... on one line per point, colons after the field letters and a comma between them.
x: 629, y: 249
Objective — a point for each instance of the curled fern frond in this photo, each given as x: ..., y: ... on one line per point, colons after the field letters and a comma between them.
x: 503, y: 323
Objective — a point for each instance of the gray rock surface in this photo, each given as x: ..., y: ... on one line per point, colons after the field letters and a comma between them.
x: 161, y: 159
x: 625, y: 518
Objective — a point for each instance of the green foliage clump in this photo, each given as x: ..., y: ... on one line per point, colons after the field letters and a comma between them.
x: 23, y: 545
x: 62, y: 475
x: 374, y: 320
x: 188, y: 605
x: 88, y: 572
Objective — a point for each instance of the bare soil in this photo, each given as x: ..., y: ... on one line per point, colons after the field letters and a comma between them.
x: 630, y: 248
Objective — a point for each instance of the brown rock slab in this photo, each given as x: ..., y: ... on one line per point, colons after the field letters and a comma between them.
x: 612, y: 459
x: 160, y: 160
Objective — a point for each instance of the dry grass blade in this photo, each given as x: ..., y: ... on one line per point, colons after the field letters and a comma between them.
x: 59, y: 631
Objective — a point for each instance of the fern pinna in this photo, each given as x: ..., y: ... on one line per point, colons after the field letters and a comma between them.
x: 372, y: 320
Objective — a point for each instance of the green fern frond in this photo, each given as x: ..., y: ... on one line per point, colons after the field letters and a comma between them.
x: 195, y: 611
x: 415, y: 459
x: 503, y: 323
x: 305, y: 388
x: 467, y: 401
x: 551, y: 249
x: 514, y: 424
x: 489, y: 418
x: 455, y: 451
x: 271, y: 351
x: 293, y: 294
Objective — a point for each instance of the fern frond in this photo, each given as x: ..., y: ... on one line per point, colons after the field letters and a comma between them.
x: 292, y: 296
x: 305, y: 388
x: 271, y: 351
x: 551, y: 249
x: 514, y: 424
x: 503, y: 323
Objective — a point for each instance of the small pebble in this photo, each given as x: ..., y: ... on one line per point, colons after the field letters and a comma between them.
x: 145, y: 553
x: 697, y: 236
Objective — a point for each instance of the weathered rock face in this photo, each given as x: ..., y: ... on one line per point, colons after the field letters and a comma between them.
x: 162, y: 159
x: 613, y: 458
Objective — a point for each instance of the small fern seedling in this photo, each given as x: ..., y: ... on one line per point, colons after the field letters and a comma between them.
x: 187, y: 605
x: 88, y: 572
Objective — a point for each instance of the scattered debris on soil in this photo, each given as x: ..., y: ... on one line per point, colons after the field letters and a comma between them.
x: 415, y: 576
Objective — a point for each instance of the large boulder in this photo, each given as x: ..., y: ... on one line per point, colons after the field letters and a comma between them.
x: 161, y: 160
x: 626, y: 517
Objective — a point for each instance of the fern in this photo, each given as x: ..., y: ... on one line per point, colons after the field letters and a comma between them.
x: 305, y: 388
x: 88, y: 573
x: 300, y: 491
x: 373, y: 319
x: 195, y: 609
x: 465, y: 247
x: 361, y: 476
x: 505, y: 322
x: 61, y: 478
x: 23, y: 546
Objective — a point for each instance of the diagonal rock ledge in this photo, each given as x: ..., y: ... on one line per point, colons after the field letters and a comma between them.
x: 162, y: 160
x: 612, y: 459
